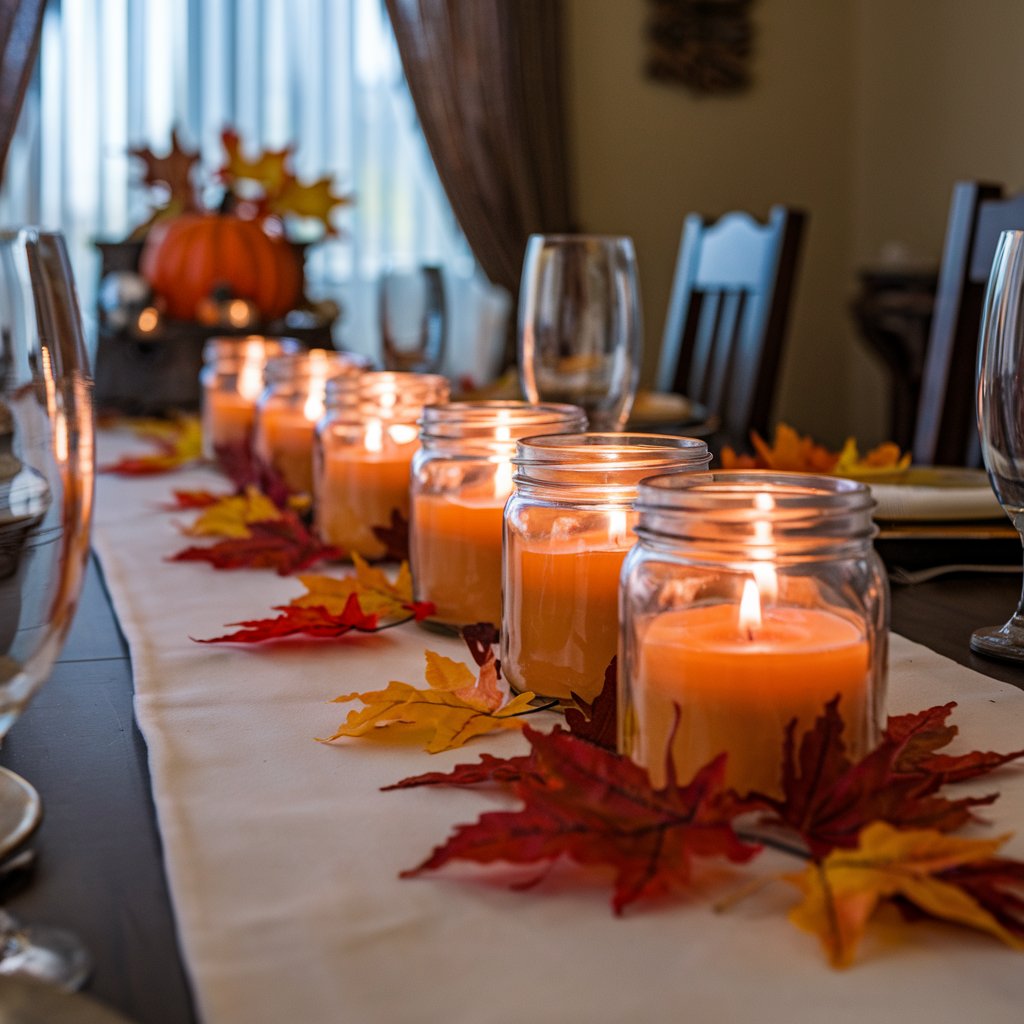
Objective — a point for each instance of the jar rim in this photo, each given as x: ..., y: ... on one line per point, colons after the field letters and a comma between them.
x: 590, y: 450
x: 244, y: 346
x: 334, y: 361
x: 729, y: 490
x: 486, y: 419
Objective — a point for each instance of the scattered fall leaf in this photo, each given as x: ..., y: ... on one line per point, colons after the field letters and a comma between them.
x: 283, y: 544
x: 454, y: 707
x: 189, y: 501
x: 245, y: 469
x: 178, y: 443
x: 597, y: 721
x: 790, y: 452
x: 394, y: 537
x: 377, y: 593
x: 598, y: 808
x: 501, y: 770
x: 315, y: 622
x: 234, y: 515
x: 920, y: 866
x: 828, y: 798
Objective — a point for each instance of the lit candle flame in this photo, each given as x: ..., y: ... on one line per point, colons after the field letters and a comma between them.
x: 374, y: 438
x: 750, y: 609
x: 618, y: 527
x: 314, y: 407
x: 767, y: 582
x: 149, y: 321
x: 503, y: 470
x: 250, y: 377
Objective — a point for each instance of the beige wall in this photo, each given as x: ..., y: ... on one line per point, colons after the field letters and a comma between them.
x: 863, y: 112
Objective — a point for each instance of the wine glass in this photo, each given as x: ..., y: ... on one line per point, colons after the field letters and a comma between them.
x: 1001, y: 415
x: 412, y: 319
x: 46, y: 492
x: 580, y: 333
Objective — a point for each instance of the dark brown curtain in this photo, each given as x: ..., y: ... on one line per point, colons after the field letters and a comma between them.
x: 21, y: 22
x: 486, y: 78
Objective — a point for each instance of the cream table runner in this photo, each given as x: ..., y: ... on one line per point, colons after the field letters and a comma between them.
x: 283, y: 856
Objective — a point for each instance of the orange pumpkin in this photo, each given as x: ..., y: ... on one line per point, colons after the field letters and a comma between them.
x: 187, y: 257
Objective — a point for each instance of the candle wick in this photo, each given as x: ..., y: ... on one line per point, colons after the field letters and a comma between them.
x: 750, y: 634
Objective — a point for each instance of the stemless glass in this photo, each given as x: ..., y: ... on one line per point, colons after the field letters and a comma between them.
x: 46, y: 491
x: 412, y: 319
x: 1001, y: 415
x: 580, y: 333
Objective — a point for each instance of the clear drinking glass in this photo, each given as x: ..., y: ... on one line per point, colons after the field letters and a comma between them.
x: 412, y: 319
x: 46, y: 492
x: 580, y: 334
x: 1001, y: 415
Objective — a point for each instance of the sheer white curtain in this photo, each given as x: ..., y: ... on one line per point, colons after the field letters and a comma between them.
x: 322, y: 75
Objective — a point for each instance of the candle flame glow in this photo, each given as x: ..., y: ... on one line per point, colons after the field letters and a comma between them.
x: 250, y: 377
x: 314, y: 407
x: 618, y: 527
x: 403, y: 433
x: 767, y: 581
x: 374, y: 438
x: 750, y: 609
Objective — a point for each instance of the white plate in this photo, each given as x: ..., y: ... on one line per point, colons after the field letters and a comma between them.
x: 937, y: 494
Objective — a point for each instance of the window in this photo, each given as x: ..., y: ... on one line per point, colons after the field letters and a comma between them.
x: 322, y: 75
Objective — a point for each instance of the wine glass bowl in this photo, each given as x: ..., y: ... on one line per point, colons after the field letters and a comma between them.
x: 1000, y: 410
x: 412, y: 319
x: 580, y: 325
x: 46, y: 494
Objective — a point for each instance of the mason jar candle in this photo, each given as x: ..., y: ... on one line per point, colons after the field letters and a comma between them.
x: 461, y: 479
x: 568, y: 527
x: 363, y: 454
x: 232, y: 381
x: 292, y: 403
x: 750, y: 601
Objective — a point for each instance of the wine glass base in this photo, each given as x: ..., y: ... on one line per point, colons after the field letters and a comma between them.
x: 1005, y: 643
x: 51, y: 955
x: 20, y: 810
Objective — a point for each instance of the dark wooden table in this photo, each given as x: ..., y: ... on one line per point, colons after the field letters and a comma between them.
x: 100, y: 869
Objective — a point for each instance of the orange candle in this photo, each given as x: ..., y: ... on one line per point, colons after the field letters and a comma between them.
x: 357, y: 491
x: 564, y: 600
x: 284, y: 440
x: 737, y: 686
x: 457, y: 554
x: 228, y: 419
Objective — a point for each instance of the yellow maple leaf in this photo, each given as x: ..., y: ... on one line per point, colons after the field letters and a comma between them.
x: 455, y: 706
x: 269, y: 168
x: 315, y: 200
x: 377, y: 594
x: 843, y: 891
x: 883, y: 460
x: 231, y: 516
x: 178, y: 442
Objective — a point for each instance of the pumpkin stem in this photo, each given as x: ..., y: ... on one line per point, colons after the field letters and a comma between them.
x: 228, y: 203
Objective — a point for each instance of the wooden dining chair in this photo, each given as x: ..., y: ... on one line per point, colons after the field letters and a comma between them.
x: 945, y: 431
x: 727, y: 315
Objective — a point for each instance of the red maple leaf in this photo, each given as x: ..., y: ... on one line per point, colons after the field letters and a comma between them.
x: 498, y: 770
x: 998, y: 886
x: 828, y: 799
x: 314, y: 621
x: 925, y: 732
x: 394, y: 536
x: 481, y: 639
x: 283, y: 544
x: 597, y: 721
x: 245, y: 469
x: 598, y: 808
x: 188, y: 501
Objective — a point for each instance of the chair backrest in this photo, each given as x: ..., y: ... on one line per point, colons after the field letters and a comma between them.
x: 727, y: 315
x: 946, y: 431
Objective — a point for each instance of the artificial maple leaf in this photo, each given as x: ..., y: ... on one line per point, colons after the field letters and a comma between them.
x: 884, y: 460
x: 394, y: 537
x: 500, y: 770
x: 376, y: 592
x: 234, y: 515
x: 269, y: 169
x: 174, y: 171
x: 283, y: 544
x: 597, y: 721
x: 178, y: 443
x: 311, y: 622
x: 455, y: 706
x: 828, y: 799
x: 244, y: 468
x: 920, y: 735
x: 481, y: 639
x: 919, y: 866
x: 189, y: 501
x: 315, y: 200
x: 597, y: 807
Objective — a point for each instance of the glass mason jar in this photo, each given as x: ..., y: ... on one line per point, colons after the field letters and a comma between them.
x: 461, y: 479
x: 751, y: 599
x: 362, y: 455
x: 232, y: 380
x: 568, y: 526
x: 291, y: 404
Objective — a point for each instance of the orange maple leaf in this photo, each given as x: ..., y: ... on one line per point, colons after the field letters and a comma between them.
x: 178, y: 443
x: 454, y: 706
x: 232, y: 515
x: 917, y: 866
x: 376, y: 592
